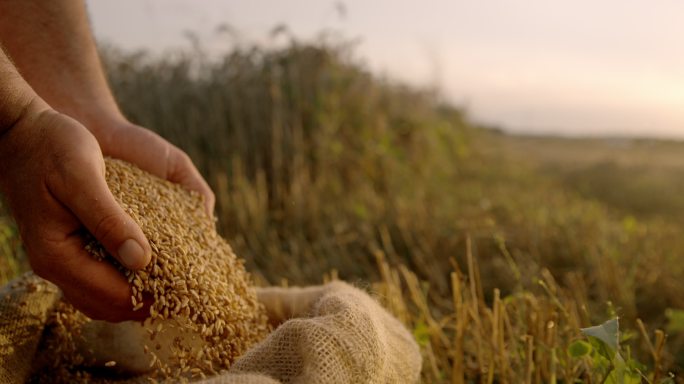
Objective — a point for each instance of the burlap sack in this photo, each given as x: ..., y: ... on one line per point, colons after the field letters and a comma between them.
x: 325, y: 334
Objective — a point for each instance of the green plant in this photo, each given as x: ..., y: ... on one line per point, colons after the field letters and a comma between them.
x: 319, y: 165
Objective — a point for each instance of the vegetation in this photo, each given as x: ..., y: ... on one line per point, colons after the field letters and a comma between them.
x: 495, y: 250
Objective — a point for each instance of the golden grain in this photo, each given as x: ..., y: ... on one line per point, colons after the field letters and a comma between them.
x: 193, y: 278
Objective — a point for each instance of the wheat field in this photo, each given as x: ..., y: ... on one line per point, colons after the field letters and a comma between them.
x: 494, y: 250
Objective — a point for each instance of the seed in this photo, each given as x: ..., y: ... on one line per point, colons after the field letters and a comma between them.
x: 154, y: 360
x: 193, y: 276
x: 193, y: 273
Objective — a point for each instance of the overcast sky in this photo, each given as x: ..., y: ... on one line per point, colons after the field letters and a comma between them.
x: 581, y: 67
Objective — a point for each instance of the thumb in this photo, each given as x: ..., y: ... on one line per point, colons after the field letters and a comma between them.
x: 93, y: 204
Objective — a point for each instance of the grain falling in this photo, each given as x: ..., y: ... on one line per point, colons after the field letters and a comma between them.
x: 194, y: 280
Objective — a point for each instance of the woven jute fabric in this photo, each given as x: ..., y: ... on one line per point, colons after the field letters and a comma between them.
x: 25, y: 305
x: 333, y: 333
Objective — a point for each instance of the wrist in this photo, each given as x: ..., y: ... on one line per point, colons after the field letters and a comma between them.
x: 18, y: 141
x: 17, y: 101
x: 19, y: 111
x: 13, y: 111
x: 103, y: 122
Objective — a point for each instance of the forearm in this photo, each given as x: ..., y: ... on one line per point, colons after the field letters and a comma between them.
x: 16, y: 96
x: 51, y: 43
x: 52, y: 46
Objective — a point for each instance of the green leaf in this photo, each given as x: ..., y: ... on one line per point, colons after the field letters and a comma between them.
x: 608, y: 333
x: 421, y: 332
x: 579, y: 348
x: 675, y: 320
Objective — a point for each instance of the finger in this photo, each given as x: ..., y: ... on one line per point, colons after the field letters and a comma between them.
x: 197, y: 183
x: 94, y: 287
x: 102, y: 298
x: 162, y: 159
x: 87, y: 195
x: 101, y: 302
x: 185, y: 173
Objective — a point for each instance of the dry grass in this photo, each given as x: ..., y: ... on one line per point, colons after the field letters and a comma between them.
x: 523, y: 337
x: 319, y: 166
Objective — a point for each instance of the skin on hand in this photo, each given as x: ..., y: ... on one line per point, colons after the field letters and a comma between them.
x: 60, y: 31
x: 53, y: 180
x: 123, y: 140
x: 51, y: 166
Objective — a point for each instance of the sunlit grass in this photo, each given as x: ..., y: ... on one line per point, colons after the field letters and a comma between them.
x: 323, y: 170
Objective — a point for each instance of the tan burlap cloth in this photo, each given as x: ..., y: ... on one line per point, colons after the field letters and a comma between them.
x: 332, y: 333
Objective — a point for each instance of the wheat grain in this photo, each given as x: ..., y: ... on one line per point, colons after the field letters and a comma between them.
x: 194, y: 280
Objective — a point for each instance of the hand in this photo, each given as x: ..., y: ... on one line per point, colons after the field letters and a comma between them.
x: 52, y: 175
x: 123, y: 140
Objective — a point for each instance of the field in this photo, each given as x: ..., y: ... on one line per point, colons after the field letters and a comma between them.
x: 493, y: 249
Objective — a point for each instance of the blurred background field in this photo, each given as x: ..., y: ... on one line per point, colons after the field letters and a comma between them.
x: 494, y: 249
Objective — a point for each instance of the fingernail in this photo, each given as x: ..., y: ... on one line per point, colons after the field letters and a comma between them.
x: 131, y: 254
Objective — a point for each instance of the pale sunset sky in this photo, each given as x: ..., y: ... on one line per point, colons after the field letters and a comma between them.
x: 582, y: 67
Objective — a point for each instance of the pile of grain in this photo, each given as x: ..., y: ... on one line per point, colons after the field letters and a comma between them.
x: 194, y: 279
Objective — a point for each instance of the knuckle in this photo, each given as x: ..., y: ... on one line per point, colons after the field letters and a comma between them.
x: 69, y: 163
x: 211, y: 197
x: 184, y: 158
x: 68, y: 170
x: 184, y: 163
x: 108, y: 226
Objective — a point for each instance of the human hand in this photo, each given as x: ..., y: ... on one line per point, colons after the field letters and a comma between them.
x: 123, y: 140
x: 60, y: 31
x: 52, y: 176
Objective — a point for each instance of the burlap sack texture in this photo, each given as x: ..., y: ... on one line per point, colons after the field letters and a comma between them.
x: 333, y: 333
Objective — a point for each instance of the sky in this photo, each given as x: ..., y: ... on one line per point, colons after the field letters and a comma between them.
x: 577, y: 68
